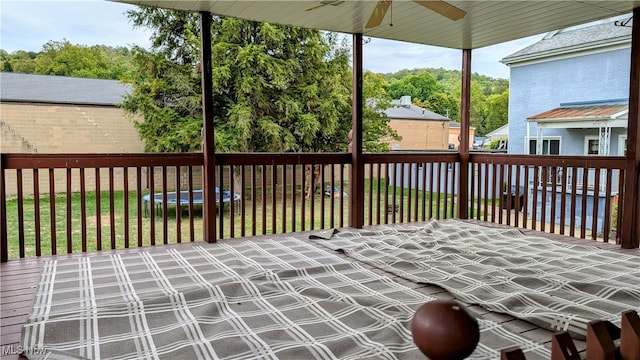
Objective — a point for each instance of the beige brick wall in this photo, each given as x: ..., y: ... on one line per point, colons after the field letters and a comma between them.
x: 54, y: 129
x: 421, y: 134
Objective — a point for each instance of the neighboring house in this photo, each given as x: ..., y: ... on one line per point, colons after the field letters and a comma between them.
x: 420, y: 128
x: 568, y: 92
x: 500, y: 135
x: 568, y: 95
x: 57, y: 114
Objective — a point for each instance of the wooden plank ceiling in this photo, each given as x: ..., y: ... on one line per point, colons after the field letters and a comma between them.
x: 487, y: 22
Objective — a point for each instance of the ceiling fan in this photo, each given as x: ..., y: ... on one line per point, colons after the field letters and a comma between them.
x: 441, y: 7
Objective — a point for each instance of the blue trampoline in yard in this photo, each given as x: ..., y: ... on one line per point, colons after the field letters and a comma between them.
x: 183, y: 199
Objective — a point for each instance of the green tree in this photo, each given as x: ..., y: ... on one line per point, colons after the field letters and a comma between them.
x: 419, y: 87
x: 19, y: 61
x: 98, y: 62
x: 497, y: 110
x: 444, y: 104
x: 478, y: 110
x: 377, y: 131
x: 277, y: 88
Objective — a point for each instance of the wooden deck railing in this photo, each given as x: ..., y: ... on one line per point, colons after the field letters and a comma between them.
x: 578, y: 196
x: 64, y: 203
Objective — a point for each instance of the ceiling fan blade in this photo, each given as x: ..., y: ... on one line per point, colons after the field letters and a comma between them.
x: 445, y: 9
x: 378, y: 14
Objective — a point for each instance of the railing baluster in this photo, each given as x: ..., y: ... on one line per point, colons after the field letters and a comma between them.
x: 152, y: 205
x: 445, y: 189
x: 607, y: 206
x: 191, y: 208
x: 431, y: 188
x: 418, y: 189
x: 543, y: 206
x: 69, y: 214
x: 52, y: 211
x: 371, y: 193
x: 219, y: 200
x: 139, y: 203
x: 83, y: 209
x: 98, y: 211
x: 21, y: 220
x: 563, y: 200
x: 574, y: 192
x: 525, y: 208
x: 583, y: 213
x: 342, y: 195
x: 322, y: 198
x: 496, y: 193
x: 424, y: 192
x: 402, y: 187
x: 274, y: 198
x: 332, y: 196
x: 596, y: 198
x: 475, y: 194
x: 112, y: 209
x: 165, y: 207
x: 178, y: 206
x: 125, y: 189
x: 534, y: 208
x: 283, y: 198
x: 294, y: 189
x: 36, y: 208
x: 518, y: 194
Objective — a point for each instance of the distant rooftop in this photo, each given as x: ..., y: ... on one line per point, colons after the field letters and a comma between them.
x: 412, y: 112
x: 601, y: 34
x: 60, y: 89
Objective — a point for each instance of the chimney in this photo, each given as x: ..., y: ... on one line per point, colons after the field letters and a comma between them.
x: 405, y: 101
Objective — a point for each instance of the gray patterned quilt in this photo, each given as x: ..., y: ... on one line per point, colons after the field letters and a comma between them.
x: 261, y: 299
x: 554, y: 285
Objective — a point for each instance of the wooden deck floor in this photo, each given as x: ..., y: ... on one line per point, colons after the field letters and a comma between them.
x: 19, y: 277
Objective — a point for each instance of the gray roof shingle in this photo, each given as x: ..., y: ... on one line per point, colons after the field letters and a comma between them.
x: 573, y: 39
x: 412, y: 112
x: 61, y: 89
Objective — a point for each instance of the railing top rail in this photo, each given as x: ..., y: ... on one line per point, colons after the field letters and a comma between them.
x: 399, y: 157
x: 603, y: 162
x: 282, y: 158
x: 73, y: 161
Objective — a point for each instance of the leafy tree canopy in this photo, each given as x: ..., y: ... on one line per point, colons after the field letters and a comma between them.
x: 277, y: 88
x: 66, y: 59
x: 419, y: 87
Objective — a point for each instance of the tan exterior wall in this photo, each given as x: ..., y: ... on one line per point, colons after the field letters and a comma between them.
x: 454, y: 139
x: 420, y: 134
x: 55, y: 129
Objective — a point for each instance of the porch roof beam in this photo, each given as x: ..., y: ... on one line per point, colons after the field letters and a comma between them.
x: 630, y: 213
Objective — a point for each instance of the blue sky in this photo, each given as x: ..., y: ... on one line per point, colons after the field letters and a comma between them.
x: 27, y: 25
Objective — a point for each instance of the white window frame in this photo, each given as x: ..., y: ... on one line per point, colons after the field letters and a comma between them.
x: 622, y: 141
x: 588, y: 138
x: 544, y: 138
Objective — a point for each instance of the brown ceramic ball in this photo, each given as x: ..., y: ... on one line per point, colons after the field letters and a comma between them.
x: 444, y: 330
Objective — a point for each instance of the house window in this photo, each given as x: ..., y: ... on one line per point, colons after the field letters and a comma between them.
x: 550, y: 146
x: 622, y: 145
x: 591, y: 145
